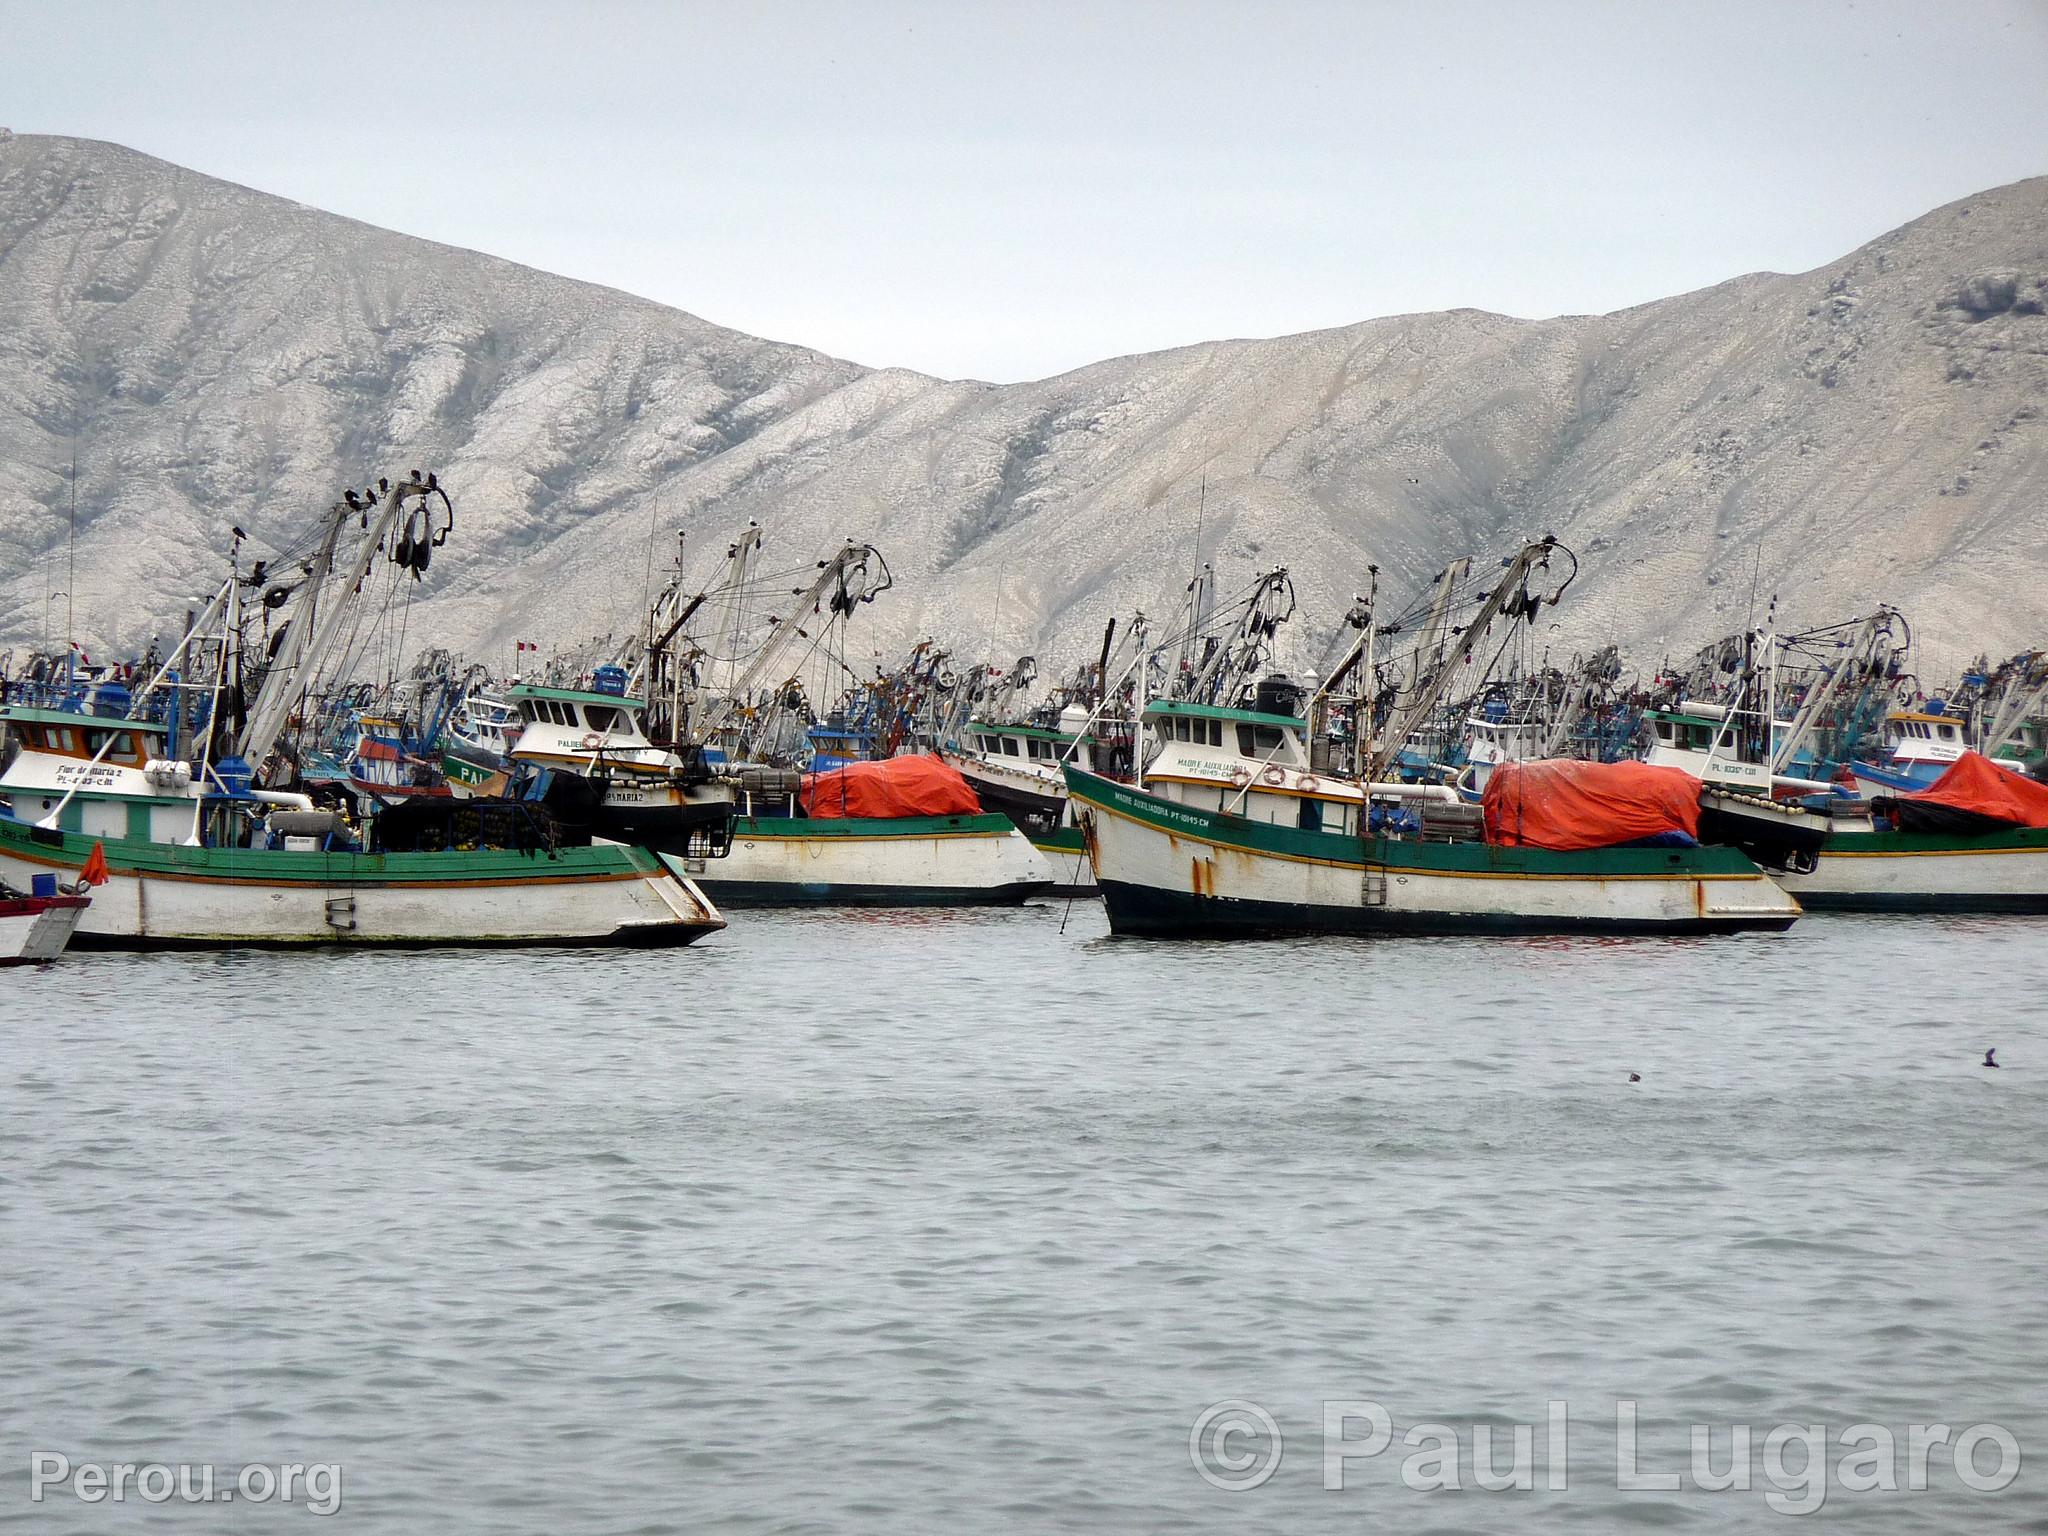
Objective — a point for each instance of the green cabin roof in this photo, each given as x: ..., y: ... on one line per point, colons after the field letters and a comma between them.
x: 571, y: 696
x: 1037, y: 731
x: 1218, y: 712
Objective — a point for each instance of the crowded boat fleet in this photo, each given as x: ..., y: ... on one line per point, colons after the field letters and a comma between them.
x: 281, y: 772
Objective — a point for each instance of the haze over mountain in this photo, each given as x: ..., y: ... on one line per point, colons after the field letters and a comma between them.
x: 1869, y: 431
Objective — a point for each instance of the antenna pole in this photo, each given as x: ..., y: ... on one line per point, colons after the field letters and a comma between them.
x: 71, y: 578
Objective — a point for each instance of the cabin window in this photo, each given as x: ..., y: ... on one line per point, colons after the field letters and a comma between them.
x: 1010, y: 747
x: 1311, y: 814
x: 1257, y: 740
x: 601, y: 717
x: 1215, y: 733
x: 119, y: 744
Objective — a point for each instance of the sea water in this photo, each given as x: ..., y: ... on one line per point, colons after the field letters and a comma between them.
x: 985, y: 1221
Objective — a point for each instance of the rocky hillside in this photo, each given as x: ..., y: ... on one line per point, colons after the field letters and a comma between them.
x: 1871, y: 431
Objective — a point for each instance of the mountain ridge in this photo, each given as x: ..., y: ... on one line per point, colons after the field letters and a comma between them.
x: 223, y: 356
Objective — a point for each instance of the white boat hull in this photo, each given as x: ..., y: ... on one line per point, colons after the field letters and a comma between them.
x: 590, y: 896
x: 1907, y: 872
x: 785, y: 862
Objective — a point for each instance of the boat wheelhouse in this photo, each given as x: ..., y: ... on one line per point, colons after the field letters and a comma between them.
x: 1915, y: 748
x: 476, y: 751
x: 833, y: 743
x: 585, y: 755
x: 96, y: 776
x: 1491, y: 740
x: 1703, y: 739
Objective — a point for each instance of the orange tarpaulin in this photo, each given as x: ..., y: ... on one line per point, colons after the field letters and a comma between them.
x: 1563, y: 804
x: 1978, y: 786
x: 95, y: 871
x: 897, y: 786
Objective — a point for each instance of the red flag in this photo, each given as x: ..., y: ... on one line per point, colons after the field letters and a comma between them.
x: 95, y: 871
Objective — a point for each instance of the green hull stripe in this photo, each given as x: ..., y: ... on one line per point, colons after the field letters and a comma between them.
x: 1861, y: 844
x: 1336, y: 848
x: 133, y: 856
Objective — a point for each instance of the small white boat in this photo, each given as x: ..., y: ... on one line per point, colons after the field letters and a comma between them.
x: 35, y: 929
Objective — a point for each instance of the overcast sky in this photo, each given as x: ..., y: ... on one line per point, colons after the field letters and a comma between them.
x: 1005, y: 191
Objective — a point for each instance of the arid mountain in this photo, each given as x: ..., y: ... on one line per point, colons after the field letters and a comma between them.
x: 1871, y: 431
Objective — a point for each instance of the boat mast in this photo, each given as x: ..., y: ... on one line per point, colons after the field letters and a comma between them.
x: 2022, y: 699
x: 1362, y: 618
x: 848, y: 569
x: 231, y: 622
x: 1431, y: 691
x: 286, y: 681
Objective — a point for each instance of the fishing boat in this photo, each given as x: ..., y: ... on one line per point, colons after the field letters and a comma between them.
x: 476, y: 748
x: 902, y: 832
x: 384, y: 762
x: 1232, y: 831
x: 1732, y: 748
x: 1222, y: 840
x: 35, y: 929
x: 1915, y: 748
x: 584, y: 755
x: 202, y: 853
x: 1974, y: 841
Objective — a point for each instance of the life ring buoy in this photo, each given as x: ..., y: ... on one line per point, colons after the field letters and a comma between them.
x: 1240, y: 775
x: 1308, y: 785
x: 592, y: 741
x: 1274, y: 774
